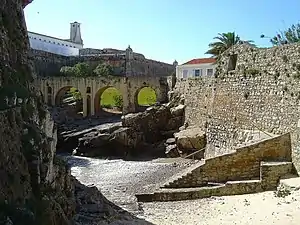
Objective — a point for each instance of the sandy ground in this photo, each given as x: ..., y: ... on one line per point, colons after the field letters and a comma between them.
x: 119, y: 180
x: 255, y: 209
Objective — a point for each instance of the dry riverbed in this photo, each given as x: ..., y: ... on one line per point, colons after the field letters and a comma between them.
x: 119, y: 180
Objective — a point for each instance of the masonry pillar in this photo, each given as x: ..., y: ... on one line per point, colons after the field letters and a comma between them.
x: 84, y: 104
x: 45, y: 93
x: 92, y: 104
x: 128, y: 104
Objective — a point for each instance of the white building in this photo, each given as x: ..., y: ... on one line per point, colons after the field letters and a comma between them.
x: 196, y: 68
x: 66, y: 47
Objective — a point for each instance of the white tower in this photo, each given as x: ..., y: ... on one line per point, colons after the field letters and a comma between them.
x: 75, y: 34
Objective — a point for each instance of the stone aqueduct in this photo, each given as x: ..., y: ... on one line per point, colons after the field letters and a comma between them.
x: 91, y: 89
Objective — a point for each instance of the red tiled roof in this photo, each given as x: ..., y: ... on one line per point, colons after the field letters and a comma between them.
x: 200, y: 61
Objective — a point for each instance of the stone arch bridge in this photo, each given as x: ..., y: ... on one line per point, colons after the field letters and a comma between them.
x: 91, y: 89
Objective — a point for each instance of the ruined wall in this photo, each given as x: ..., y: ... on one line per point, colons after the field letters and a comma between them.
x: 262, y: 92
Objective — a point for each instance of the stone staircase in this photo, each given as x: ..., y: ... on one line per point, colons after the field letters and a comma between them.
x: 250, y: 169
x: 270, y: 175
x: 186, y: 172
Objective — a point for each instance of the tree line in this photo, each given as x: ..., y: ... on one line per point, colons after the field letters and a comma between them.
x: 85, y: 70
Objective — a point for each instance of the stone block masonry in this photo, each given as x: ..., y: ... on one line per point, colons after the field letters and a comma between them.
x: 260, y: 92
x: 244, y: 164
x: 253, y: 168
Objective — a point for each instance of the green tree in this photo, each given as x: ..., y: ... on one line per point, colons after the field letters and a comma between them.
x: 82, y: 70
x: 78, y: 70
x: 75, y: 93
x: 104, y: 70
x: 224, y: 42
x: 67, y: 71
x: 118, y: 101
x: 291, y: 35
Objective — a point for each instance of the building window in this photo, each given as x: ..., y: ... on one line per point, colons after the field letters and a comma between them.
x: 209, y: 72
x: 184, y: 73
x: 88, y: 90
x: 49, y: 90
x: 232, y: 62
x: 198, y: 72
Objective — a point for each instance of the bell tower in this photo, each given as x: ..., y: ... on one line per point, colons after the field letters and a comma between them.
x: 75, y: 34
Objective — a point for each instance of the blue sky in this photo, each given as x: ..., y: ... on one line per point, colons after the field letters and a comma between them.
x: 163, y: 30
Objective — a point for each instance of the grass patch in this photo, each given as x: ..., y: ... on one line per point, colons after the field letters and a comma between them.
x: 146, y: 97
x: 111, y: 97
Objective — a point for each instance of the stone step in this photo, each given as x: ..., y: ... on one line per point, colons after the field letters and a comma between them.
x: 291, y: 184
x: 183, y: 173
x: 179, y: 194
x: 271, y: 173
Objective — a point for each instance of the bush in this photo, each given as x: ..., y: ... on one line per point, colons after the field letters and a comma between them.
x: 103, y: 70
x: 118, y: 100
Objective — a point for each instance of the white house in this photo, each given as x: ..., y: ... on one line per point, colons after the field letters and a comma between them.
x: 196, y: 68
x: 66, y: 47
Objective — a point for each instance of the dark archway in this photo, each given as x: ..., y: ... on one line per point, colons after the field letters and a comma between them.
x: 49, y: 96
x: 88, y: 105
x: 108, y: 100
x: 69, y: 102
x: 145, y: 97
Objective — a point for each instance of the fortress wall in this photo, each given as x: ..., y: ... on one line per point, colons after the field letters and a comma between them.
x: 261, y: 93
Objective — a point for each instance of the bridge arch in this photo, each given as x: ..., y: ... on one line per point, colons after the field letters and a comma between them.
x: 69, y: 97
x: 144, y: 97
x: 109, y: 99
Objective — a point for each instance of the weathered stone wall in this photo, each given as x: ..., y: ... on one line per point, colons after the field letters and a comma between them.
x: 49, y: 64
x: 262, y: 92
x: 147, y: 67
x: 243, y: 164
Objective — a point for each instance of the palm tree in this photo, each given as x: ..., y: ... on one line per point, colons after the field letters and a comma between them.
x: 225, y: 41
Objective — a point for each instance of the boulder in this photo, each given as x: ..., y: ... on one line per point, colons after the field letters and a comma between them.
x: 190, y: 140
x: 150, y: 122
x: 172, y: 151
x: 178, y: 110
x: 170, y: 141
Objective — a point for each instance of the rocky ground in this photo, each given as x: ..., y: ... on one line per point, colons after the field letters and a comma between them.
x: 119, y: 180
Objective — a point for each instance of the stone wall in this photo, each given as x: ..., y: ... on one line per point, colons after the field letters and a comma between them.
x: 243, y: 164
x: 149, y: 67
x: 261, y: 92
x: 49, y: 64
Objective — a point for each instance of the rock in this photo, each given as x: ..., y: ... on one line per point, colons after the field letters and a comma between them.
x: 190, y: 139
x: 170, y: 141
x: 178, y: 110
x: 151, y: 122
x: 174, y: 123
x: 172, y: 151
